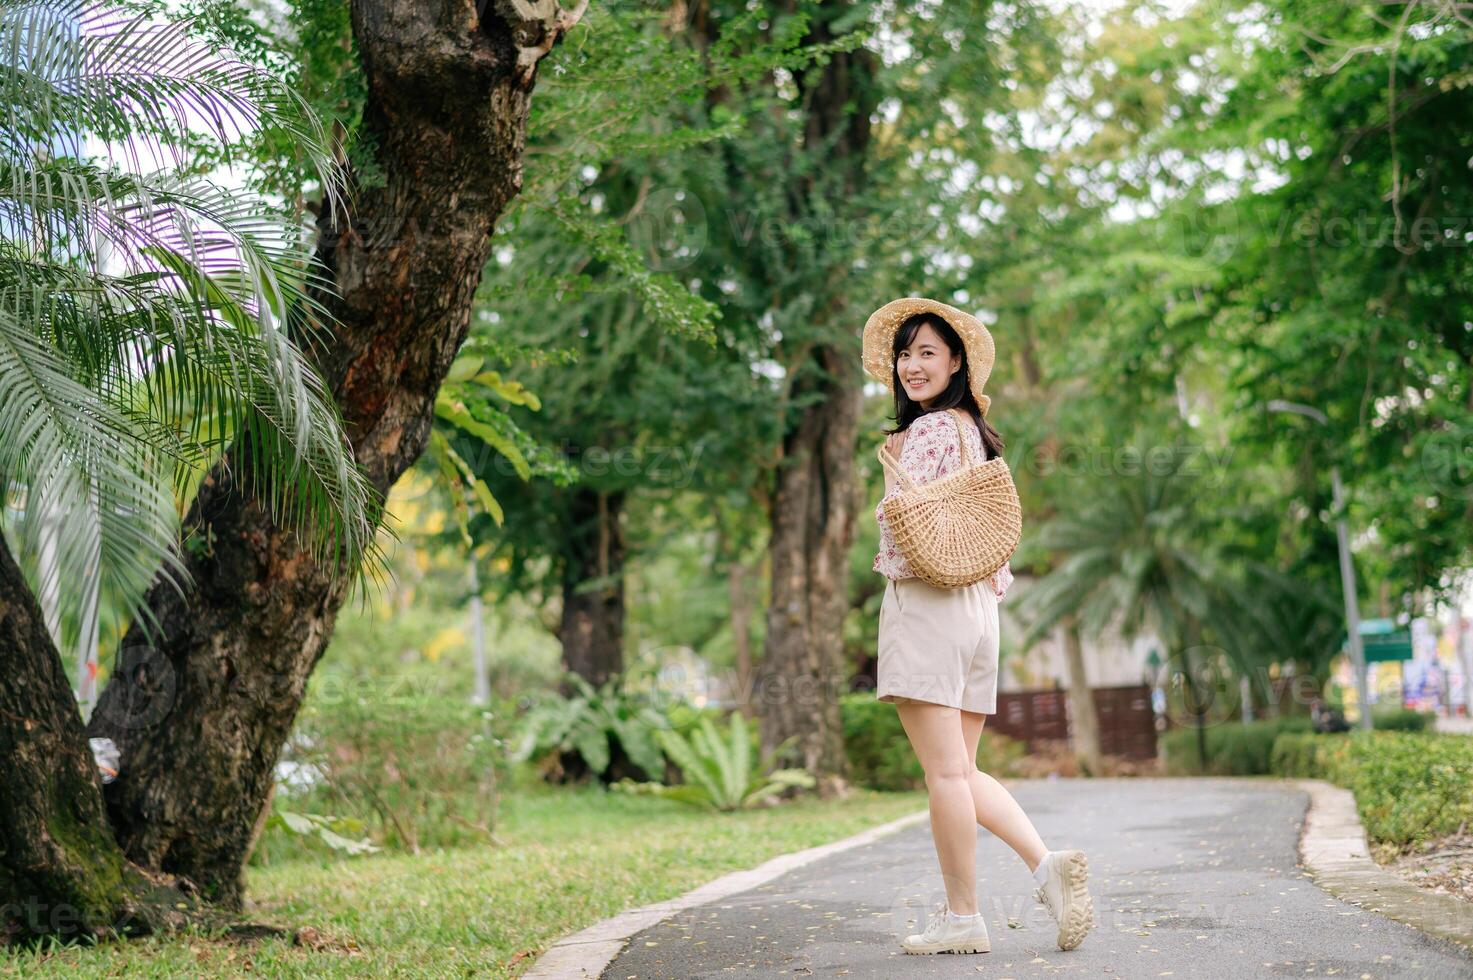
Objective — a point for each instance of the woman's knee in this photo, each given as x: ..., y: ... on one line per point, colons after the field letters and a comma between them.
x: 945, y: 770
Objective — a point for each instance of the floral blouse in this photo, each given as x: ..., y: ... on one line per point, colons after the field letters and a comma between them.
x: 931, y: 451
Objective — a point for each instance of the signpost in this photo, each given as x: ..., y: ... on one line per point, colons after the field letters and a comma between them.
x: 1384, y: 642
x: 1347, y: 566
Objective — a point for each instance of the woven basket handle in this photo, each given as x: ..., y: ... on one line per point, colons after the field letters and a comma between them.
x: 889, y: 462
x: 961, y: 434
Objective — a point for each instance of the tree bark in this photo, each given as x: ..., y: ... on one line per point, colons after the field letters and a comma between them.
x: 592, y: 629
x: 61, y: 872
x: 200, y: 710
x: 739, y: 606
x: 802, y: 673
x: 1084, y: 719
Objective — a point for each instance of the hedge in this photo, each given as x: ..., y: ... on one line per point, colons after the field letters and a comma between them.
x: 880, y: 755
x: 1402, y: 720
x: 1408, y: 786
x: 1233, y: 748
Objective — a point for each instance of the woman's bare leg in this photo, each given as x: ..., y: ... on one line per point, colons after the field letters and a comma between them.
x: 935, y: 733
x: 994, y: 806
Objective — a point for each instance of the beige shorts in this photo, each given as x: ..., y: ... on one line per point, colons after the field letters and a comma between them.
x: 939, y: 645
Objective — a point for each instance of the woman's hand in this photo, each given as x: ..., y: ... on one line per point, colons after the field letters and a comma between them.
x: 895, y: 443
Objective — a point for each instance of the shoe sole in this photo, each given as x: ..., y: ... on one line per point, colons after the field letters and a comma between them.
x: 950, y: 948
x: 1080, y: 918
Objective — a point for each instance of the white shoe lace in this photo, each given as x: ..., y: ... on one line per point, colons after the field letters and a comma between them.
x: 1040, y: 895
x: 936, y: 922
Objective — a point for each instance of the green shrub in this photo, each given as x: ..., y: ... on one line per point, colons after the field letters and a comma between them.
x: 609, y: 732
x: 875, y: 745
x: 879, y: 753
x: 405, y: 772
x: 718, y: 770
x: 1233, y: 748
x: 1408, y: 786
x: 1402, y: 720
x: 1302, y: 755
x: 996, y: 753
x: 685, y: 718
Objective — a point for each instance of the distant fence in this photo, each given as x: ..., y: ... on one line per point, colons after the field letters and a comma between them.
x: 1031, y: 716
x: 1127, y: 721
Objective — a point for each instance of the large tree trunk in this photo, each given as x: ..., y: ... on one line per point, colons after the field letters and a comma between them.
x: 592, y: 630
x: 201, y: 712
x: 1084, y: 720
x: 813, y: 517
x: 61, y: 871
x: 739, y: 606
x: 803, y: 673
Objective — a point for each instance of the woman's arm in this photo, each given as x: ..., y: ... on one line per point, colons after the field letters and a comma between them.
x: 895, y: 446
x: 918, y: 449
x: 1001, y: 579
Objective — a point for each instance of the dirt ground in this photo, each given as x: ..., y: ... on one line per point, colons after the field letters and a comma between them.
x: 1443, y: 864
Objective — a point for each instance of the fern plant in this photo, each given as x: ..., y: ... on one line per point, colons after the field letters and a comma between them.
x: 587, y: 723
x: 718, y: 771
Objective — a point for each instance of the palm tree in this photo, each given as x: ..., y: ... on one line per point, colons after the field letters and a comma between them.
x: 1138, y: 556
x: 148, y: 320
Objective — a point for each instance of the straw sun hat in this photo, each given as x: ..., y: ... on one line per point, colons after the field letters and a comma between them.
x: 879, y: 337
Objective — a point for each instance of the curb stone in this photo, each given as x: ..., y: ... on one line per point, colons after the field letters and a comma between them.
x: 1333, y: 848
x: 585, y: 954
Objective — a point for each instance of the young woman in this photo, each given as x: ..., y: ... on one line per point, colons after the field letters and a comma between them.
x: 938, y: 648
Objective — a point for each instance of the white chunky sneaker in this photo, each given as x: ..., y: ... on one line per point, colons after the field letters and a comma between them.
x: 1066, y: 897
x: 941, y: 936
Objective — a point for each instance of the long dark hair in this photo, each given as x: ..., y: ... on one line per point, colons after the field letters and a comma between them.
x: 958, y: 393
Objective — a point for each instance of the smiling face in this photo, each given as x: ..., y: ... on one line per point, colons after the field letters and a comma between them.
x: 926, y: 366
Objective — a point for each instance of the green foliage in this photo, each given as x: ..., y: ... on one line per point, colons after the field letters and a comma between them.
x: 148, y: 318
x: 308, y: 46
x: 408, y: 770
x: 719, y: 772
x: 1402, y: 720
x: 1408, y: 786
x: 1350, y: 285
x: 1148, y: 279
x: 875, y: 745
x: 589, y: 722
x: 325, y: 829
x: 1233, y: 748
x: 1137, y: 551
x: 467, y: 403
x: 569, y: 857
x: 685, y: 717
x: 880, y: 755
x: 1307, y: 755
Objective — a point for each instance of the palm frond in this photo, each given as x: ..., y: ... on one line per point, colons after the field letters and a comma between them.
x: 147, y: 318
x: 62, y: 443
x: 90, y: 68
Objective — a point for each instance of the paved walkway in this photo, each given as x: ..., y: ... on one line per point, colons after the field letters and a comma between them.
x: 1191, y: 878
x: 1457, y: 724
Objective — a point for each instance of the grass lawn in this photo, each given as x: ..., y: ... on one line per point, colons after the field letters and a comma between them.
x: 571, y: 857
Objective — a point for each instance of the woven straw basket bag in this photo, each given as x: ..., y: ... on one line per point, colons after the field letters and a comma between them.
x: 959, y: 529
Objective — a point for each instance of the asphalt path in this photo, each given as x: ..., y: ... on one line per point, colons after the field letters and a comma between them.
x: 1191, y: 878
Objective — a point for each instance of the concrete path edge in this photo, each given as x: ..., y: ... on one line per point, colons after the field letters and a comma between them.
x: 586, y: 953
x: 1334, y: 850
